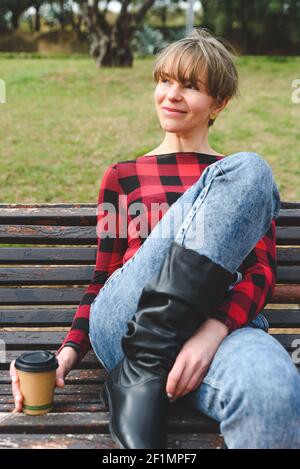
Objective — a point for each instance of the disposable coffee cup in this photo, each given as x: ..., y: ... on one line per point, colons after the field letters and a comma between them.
x: 37, y: 375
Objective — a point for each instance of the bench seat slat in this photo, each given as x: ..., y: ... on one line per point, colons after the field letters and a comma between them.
x: 87, y: 255
x: 288, y: 235
x: 43, y: 234
x: 60, y: 399
x: 82, y: 275
x: 55, y: 317
x: 62, y: 317
x: 290, y: 217
x: 48, y: 255
x: 41, y: 296
x: 282, y: 318
x: 87, y: 390
x: 79, y: 235
x: 74, y: 377
x: 77, y: 275
x: 84, y: 213
x: 95, y: 422
x: 288, y: 256
x: 16, y: 340
x: 78, y: 377
x: 289, y: 205
x: 288, y: 294
x: 288, y: 274
x: 19, y: 340
x: 101, y: 441
x: 63, y: 403
x: 55, y: 216
x: 89, y: 361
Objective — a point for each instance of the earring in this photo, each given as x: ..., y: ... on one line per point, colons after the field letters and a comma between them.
x: 213, y: 117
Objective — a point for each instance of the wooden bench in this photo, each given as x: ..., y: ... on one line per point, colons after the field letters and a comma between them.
x: 42, y: 279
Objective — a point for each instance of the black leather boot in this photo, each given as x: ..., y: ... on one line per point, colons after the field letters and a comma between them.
x: 171, y: 308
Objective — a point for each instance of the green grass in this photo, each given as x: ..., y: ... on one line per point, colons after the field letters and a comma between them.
x: 65, y: 121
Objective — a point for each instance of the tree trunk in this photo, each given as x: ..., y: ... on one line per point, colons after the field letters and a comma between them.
x: 15, y: 20
x: 37, y: 22
x: 76, y: 21
x: 164, y: 16
x: 111, y: 50
x: 30, y: 23
x: 110, y: 45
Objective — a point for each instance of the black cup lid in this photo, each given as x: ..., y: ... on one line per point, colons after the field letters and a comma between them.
x: 37, y: 361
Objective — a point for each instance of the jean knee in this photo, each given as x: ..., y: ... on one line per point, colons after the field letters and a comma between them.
x: 264, y: 179
x: 258, y: 179
x: 271, y: 384
x: 256, y: 166
x: 266, y: 411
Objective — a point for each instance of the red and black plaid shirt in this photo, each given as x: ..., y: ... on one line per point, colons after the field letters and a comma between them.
x: 163, y: 178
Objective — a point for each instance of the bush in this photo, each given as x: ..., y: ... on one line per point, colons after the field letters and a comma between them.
x: 147, y: 41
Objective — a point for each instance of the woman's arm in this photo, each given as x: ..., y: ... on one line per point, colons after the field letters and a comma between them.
x: 109, y: 257
x: 110, y: 251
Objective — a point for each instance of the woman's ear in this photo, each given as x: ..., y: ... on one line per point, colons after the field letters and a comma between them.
x: 219, y: 105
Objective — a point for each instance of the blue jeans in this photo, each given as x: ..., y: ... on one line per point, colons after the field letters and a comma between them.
x: 252, y: 386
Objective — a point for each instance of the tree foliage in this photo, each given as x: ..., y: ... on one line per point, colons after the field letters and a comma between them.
x: 259, y: 26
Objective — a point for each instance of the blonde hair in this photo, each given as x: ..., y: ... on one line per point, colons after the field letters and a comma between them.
x: 200, y: 55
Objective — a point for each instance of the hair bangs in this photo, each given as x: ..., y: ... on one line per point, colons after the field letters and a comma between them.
x: 186, y: 65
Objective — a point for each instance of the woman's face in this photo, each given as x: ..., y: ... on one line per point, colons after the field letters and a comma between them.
x: 195, y: 105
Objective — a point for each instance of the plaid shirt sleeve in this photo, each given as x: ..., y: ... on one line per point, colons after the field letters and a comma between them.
x: 248, y: 297
x: 110, y: 250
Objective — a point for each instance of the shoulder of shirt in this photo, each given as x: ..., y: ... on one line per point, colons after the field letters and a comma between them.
x: 120, y: 170
x: 121, y: 167
x: 120, y: 163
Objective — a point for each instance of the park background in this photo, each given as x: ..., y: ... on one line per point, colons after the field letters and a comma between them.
x: 79, y: 89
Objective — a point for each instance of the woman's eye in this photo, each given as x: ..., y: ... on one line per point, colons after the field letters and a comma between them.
x: 186, y: 84
x: 189, y: 85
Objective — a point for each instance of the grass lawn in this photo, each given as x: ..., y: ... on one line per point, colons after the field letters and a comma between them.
x: 65, y: 121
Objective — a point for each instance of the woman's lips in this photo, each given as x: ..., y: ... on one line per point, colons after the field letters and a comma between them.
x: 170, y: 111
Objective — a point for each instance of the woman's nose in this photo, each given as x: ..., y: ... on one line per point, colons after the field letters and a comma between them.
x: 174, y: 91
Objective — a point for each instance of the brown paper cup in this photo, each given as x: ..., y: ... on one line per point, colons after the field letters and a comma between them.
x: 38, y: 391
x: 37, y: 375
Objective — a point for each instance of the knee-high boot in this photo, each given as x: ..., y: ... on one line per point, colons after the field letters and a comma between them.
x: 171, y: 307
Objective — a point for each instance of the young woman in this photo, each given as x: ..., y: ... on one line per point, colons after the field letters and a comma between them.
x: 173, y: 310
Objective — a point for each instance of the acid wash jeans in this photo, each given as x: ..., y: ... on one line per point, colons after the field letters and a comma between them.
x: 252, y: 386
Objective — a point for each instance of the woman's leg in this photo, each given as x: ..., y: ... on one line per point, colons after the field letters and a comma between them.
x: 215, y: 216
x: 253, y: 389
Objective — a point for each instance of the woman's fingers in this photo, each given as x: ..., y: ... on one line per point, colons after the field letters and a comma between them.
x: 18, y: 398
x: 60, y: 375
x: 182, y: 383
x: 184, y: 377
x: 66, y: 361
x: 174, y: 378
x: 193, y: 383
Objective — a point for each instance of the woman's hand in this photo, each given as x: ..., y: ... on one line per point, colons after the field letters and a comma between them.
x: 194, y: 358
x: 66, y: 360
